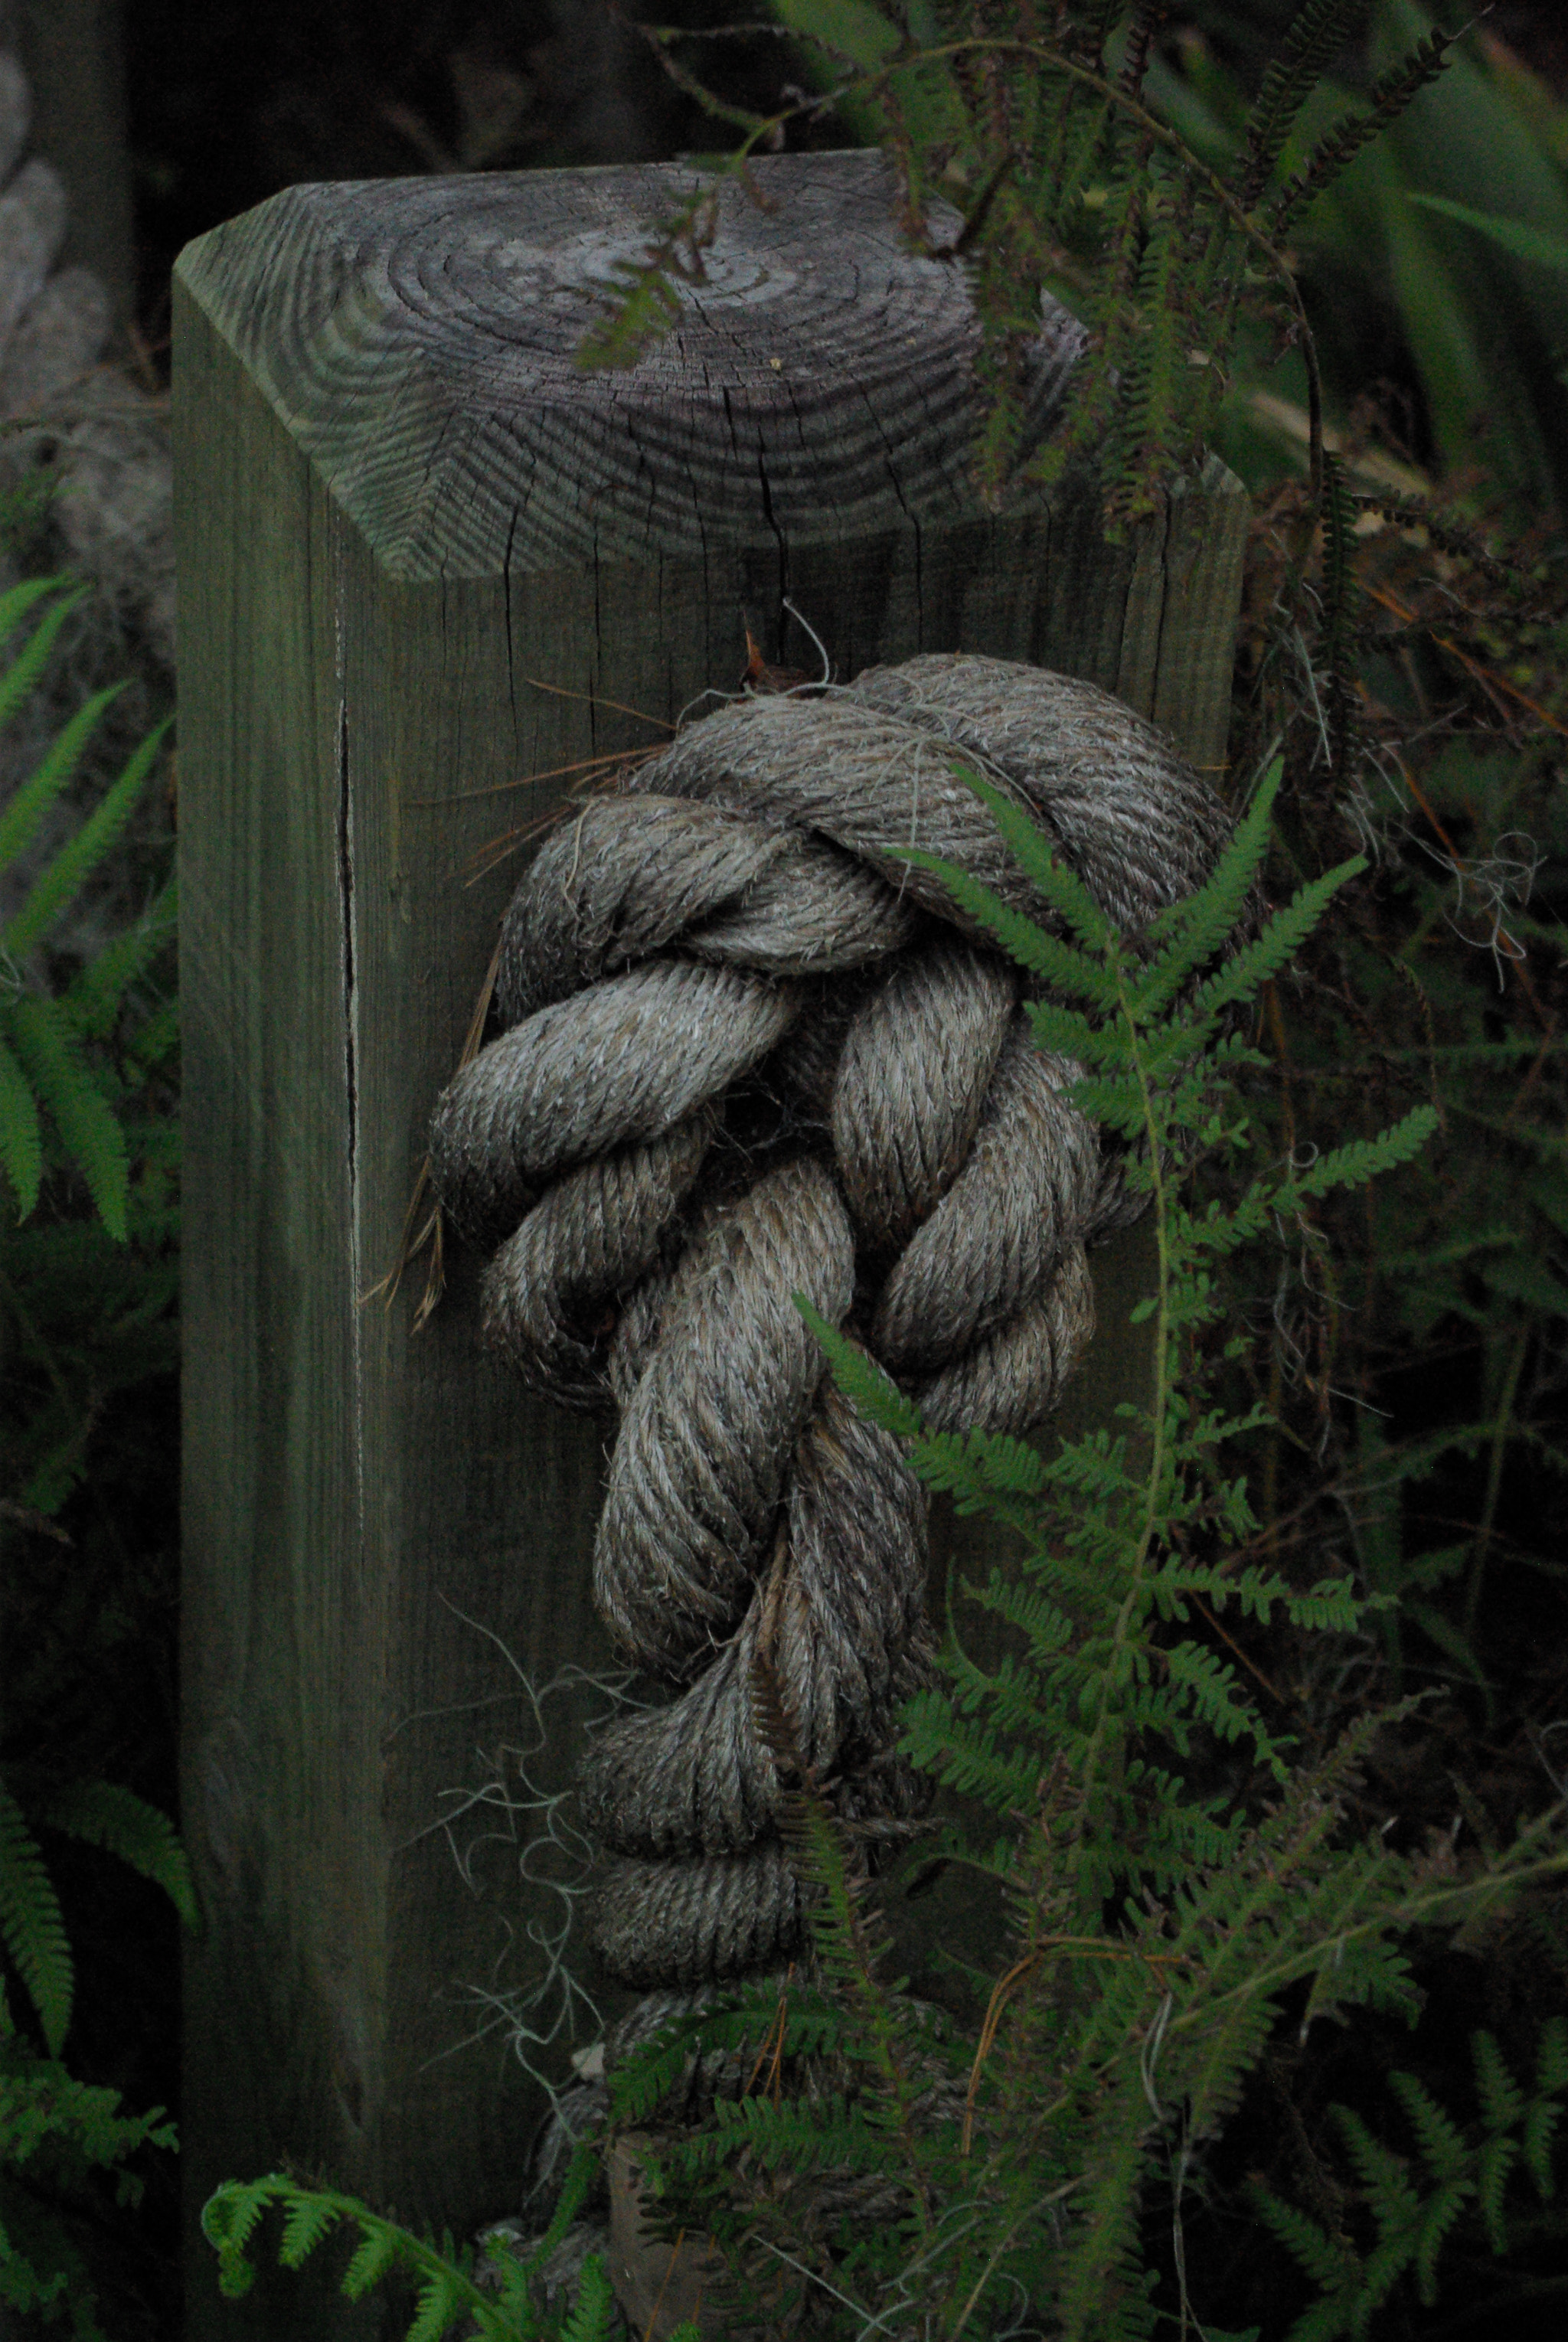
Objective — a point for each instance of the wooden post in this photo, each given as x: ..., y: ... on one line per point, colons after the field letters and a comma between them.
x: 423, y: 558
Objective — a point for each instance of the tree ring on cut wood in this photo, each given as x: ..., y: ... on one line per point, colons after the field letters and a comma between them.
x: 819, y: 377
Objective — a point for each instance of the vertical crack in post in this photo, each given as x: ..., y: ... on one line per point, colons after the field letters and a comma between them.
x: 347, y: 974
x: 781, y: 614
x: 346, y: 908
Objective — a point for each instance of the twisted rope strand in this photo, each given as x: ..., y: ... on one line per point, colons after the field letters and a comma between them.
x: 754, y: 1053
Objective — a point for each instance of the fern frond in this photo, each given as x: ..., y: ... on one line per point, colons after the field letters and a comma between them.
x: 829, y: 2133
x: 82, y: 852
x: 858, y: 1375
x: 1362, y: 1159
x: 968, y: 1761
x: 1541, y: 2119
x: 22, y: 816
x: 1316, y: 35
x: 1498, y: 2156
x: 1152, y: 424
x: 1390, y: 97
x: 442, y: 2302
x: 596, y: 2313
x: 307, y: 2221
x: 233, y: 2215
x: 230, y: 2218
x: 21, y: 1132
x: 1244, y: 975
x: 1189, y: 932
x: 31, y: 1926
x: 97, y: 993
x: 1551, y: 2058
x: 1036, y: 948
x: 17, y: 600
x: 101, y: 1814
x: 1327, y: 2264
x: 1102, y: 2290
x: 46, y: 1048
x: 1064, y: 1033
x: 1503, y: 2102
x: 1439, y: 2137
x: 374, y: 2256
x: 1042, y: 861
x: 1210, y: 1683
x: 1215, y: 2069
x: 990, y: 1462
x: 1385, y: 2177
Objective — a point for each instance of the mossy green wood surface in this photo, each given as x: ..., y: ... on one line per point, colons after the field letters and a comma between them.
x: 421, y: 558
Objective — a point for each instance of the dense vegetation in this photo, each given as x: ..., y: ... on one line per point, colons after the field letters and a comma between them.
x: 1403, y: 1363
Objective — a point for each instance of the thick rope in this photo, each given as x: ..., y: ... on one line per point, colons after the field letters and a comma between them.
x: 752, y: 1052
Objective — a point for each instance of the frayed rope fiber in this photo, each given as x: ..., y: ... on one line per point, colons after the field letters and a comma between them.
x: 752, y: 1052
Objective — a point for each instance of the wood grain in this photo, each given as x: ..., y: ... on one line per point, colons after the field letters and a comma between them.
x: 423, y: 559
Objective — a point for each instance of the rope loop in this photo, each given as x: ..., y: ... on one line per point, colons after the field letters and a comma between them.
x: 750, y: 1052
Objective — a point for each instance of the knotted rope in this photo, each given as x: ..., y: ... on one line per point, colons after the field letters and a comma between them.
x: 750, y: 1052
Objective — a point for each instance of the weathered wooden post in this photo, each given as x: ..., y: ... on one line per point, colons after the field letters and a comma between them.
x: 421, y: 558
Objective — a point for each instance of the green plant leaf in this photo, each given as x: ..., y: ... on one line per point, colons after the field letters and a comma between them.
x: 21, y: 1133
x: 1517, y: 237
x: 101, y: 1814
x: 21, y: 817
x: 49, y: 1057
x: 31, y: 1926
x: 82, y: 854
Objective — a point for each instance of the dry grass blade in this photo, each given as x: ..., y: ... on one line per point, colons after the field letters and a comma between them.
x: 416, y: 1234
x: 600, y: 776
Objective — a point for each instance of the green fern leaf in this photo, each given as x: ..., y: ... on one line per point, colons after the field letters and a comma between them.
x: 1389, y: 96
x: 1551, y: 2058
x: 1384, y: 2176
x: 97, y: 994
x: 43, y: 2273
x: 1316, y: 35
x: 46, y: 1047
x: 101, y: 1814
x: 1192, y: 931
x: 1439, y: 2213
x: 1362, y: 1159
x: 1244, y: 975
x: 595, y: 2315
x: 860, y: 1378
x: 17, y: 600
x: 1496, y: 2160
x: 442, y: 2302
x: 1041, y: 862
x: 1324, y: 2262
x: 1209, y: 1683
x: 307, y: 2219
x: 1540, y: 2125
x: 82, y: 854
x: 1441, y: 2141
x: 20, y: 680
x: 1064, y: 1033
x: 1503, y: 2102
x: 1023, y: 938
x: 644, y: 305
x: 582, y: 2174
x: 377, y: 2254
x: 230, y: 2218
x: 31, y: 1926
x: 21, y: 1133
x: 1101, y: 2285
